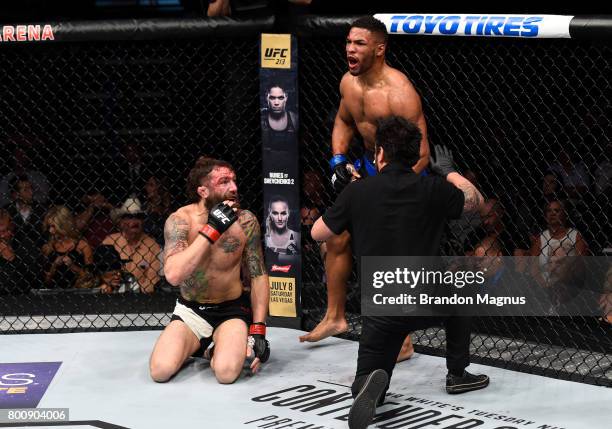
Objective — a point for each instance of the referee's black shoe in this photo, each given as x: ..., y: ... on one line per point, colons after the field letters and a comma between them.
x: 364, y: 406
x: 466, y: 382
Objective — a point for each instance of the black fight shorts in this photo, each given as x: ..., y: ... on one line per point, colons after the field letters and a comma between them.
x: 203, y: 319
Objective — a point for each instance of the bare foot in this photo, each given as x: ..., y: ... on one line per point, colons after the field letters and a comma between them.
x: 325, y: 328
x: 406, y: 351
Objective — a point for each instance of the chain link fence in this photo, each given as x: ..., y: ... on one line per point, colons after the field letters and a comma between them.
x: 529, y: 122
x: 97, y: 140
x: 98, y: 137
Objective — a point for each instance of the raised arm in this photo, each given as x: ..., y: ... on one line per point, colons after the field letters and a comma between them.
x: 444, y: 166
x: 180, y: 258
x: 473, y: 198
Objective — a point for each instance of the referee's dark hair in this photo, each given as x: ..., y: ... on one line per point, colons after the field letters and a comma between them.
x: 400, y: 138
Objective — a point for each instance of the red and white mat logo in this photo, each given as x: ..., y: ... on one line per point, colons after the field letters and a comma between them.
x: 281, y: 268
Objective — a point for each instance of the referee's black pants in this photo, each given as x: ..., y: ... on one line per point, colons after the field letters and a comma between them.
x: 382, y: 338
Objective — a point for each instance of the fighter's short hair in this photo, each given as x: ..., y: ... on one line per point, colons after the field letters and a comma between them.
x: 372, y: 24
x: 202, y: 168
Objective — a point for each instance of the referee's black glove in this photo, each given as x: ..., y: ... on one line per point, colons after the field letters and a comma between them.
x: 443, y: 164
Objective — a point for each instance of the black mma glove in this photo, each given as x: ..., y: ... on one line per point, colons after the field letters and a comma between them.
x: 220, y: 218
x: 257, y: 341
x: 443, y: 165
x: 342, y: 176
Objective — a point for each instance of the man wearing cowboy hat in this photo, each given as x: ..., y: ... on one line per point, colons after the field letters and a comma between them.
x: 134, y: 246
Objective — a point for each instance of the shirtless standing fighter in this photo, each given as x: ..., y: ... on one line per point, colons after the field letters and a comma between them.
x: 370, y: 90
x: 206, y: 244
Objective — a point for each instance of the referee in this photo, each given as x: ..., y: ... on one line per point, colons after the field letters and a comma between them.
x: 400, y: 213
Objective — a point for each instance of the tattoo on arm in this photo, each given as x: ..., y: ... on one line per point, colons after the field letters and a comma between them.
x: 176, y: 232
x: 253, y: 255
x: 229, y: 244
x: 473, y: 198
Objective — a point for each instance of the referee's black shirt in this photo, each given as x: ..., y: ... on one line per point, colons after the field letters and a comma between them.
x: 395, y: 213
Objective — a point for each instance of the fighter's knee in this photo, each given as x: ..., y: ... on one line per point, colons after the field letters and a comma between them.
x: 161, y: 372
x: 227, y: 373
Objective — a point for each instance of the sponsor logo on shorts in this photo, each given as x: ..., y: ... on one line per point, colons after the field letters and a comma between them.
x: 281, y: 268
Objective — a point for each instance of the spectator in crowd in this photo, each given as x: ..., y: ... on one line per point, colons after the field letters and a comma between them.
x: 157, y: 206
x: 94, y: 222
x: 27, y: 217
x: 468, y: 223
x: 107, y: 269
x: 138, y: 250
x: 6, y: 236
x: 68, y: 257
x: 529, y: 222
x: 605, y: 301
x: 602, y: 184
x: 11, y: 281
x: 492, y: 229
x: 603, y: 195
x: 504, y: 278
x: 552, y: 188
x: 22, y: 167
x: 574, y: 175
x: 312, y: 207
x: 281, y: 242
x: 219, y: 8
x: 557, y: 240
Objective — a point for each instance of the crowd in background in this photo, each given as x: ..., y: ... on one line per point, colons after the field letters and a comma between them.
x: 567, y: 214
x: 112, y: 240
x: 95, y: 244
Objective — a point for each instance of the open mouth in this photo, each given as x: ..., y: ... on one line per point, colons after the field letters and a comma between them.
x: 352, y: 61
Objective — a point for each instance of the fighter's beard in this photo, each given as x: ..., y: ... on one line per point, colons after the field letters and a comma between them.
x: 212, y: 201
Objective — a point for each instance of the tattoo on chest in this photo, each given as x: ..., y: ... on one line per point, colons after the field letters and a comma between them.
x: 229, y: 244
x: 196, y: 286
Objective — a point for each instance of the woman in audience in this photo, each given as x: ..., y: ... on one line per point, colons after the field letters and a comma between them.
x: 68, y: 257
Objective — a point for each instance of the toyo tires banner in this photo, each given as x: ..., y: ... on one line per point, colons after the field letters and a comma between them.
x: 522, y: 26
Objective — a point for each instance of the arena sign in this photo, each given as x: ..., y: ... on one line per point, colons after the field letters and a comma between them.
x: 26, y: 33
x: 522, y: 26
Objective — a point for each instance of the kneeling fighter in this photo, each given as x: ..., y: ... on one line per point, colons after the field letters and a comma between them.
x: 206, y: 244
